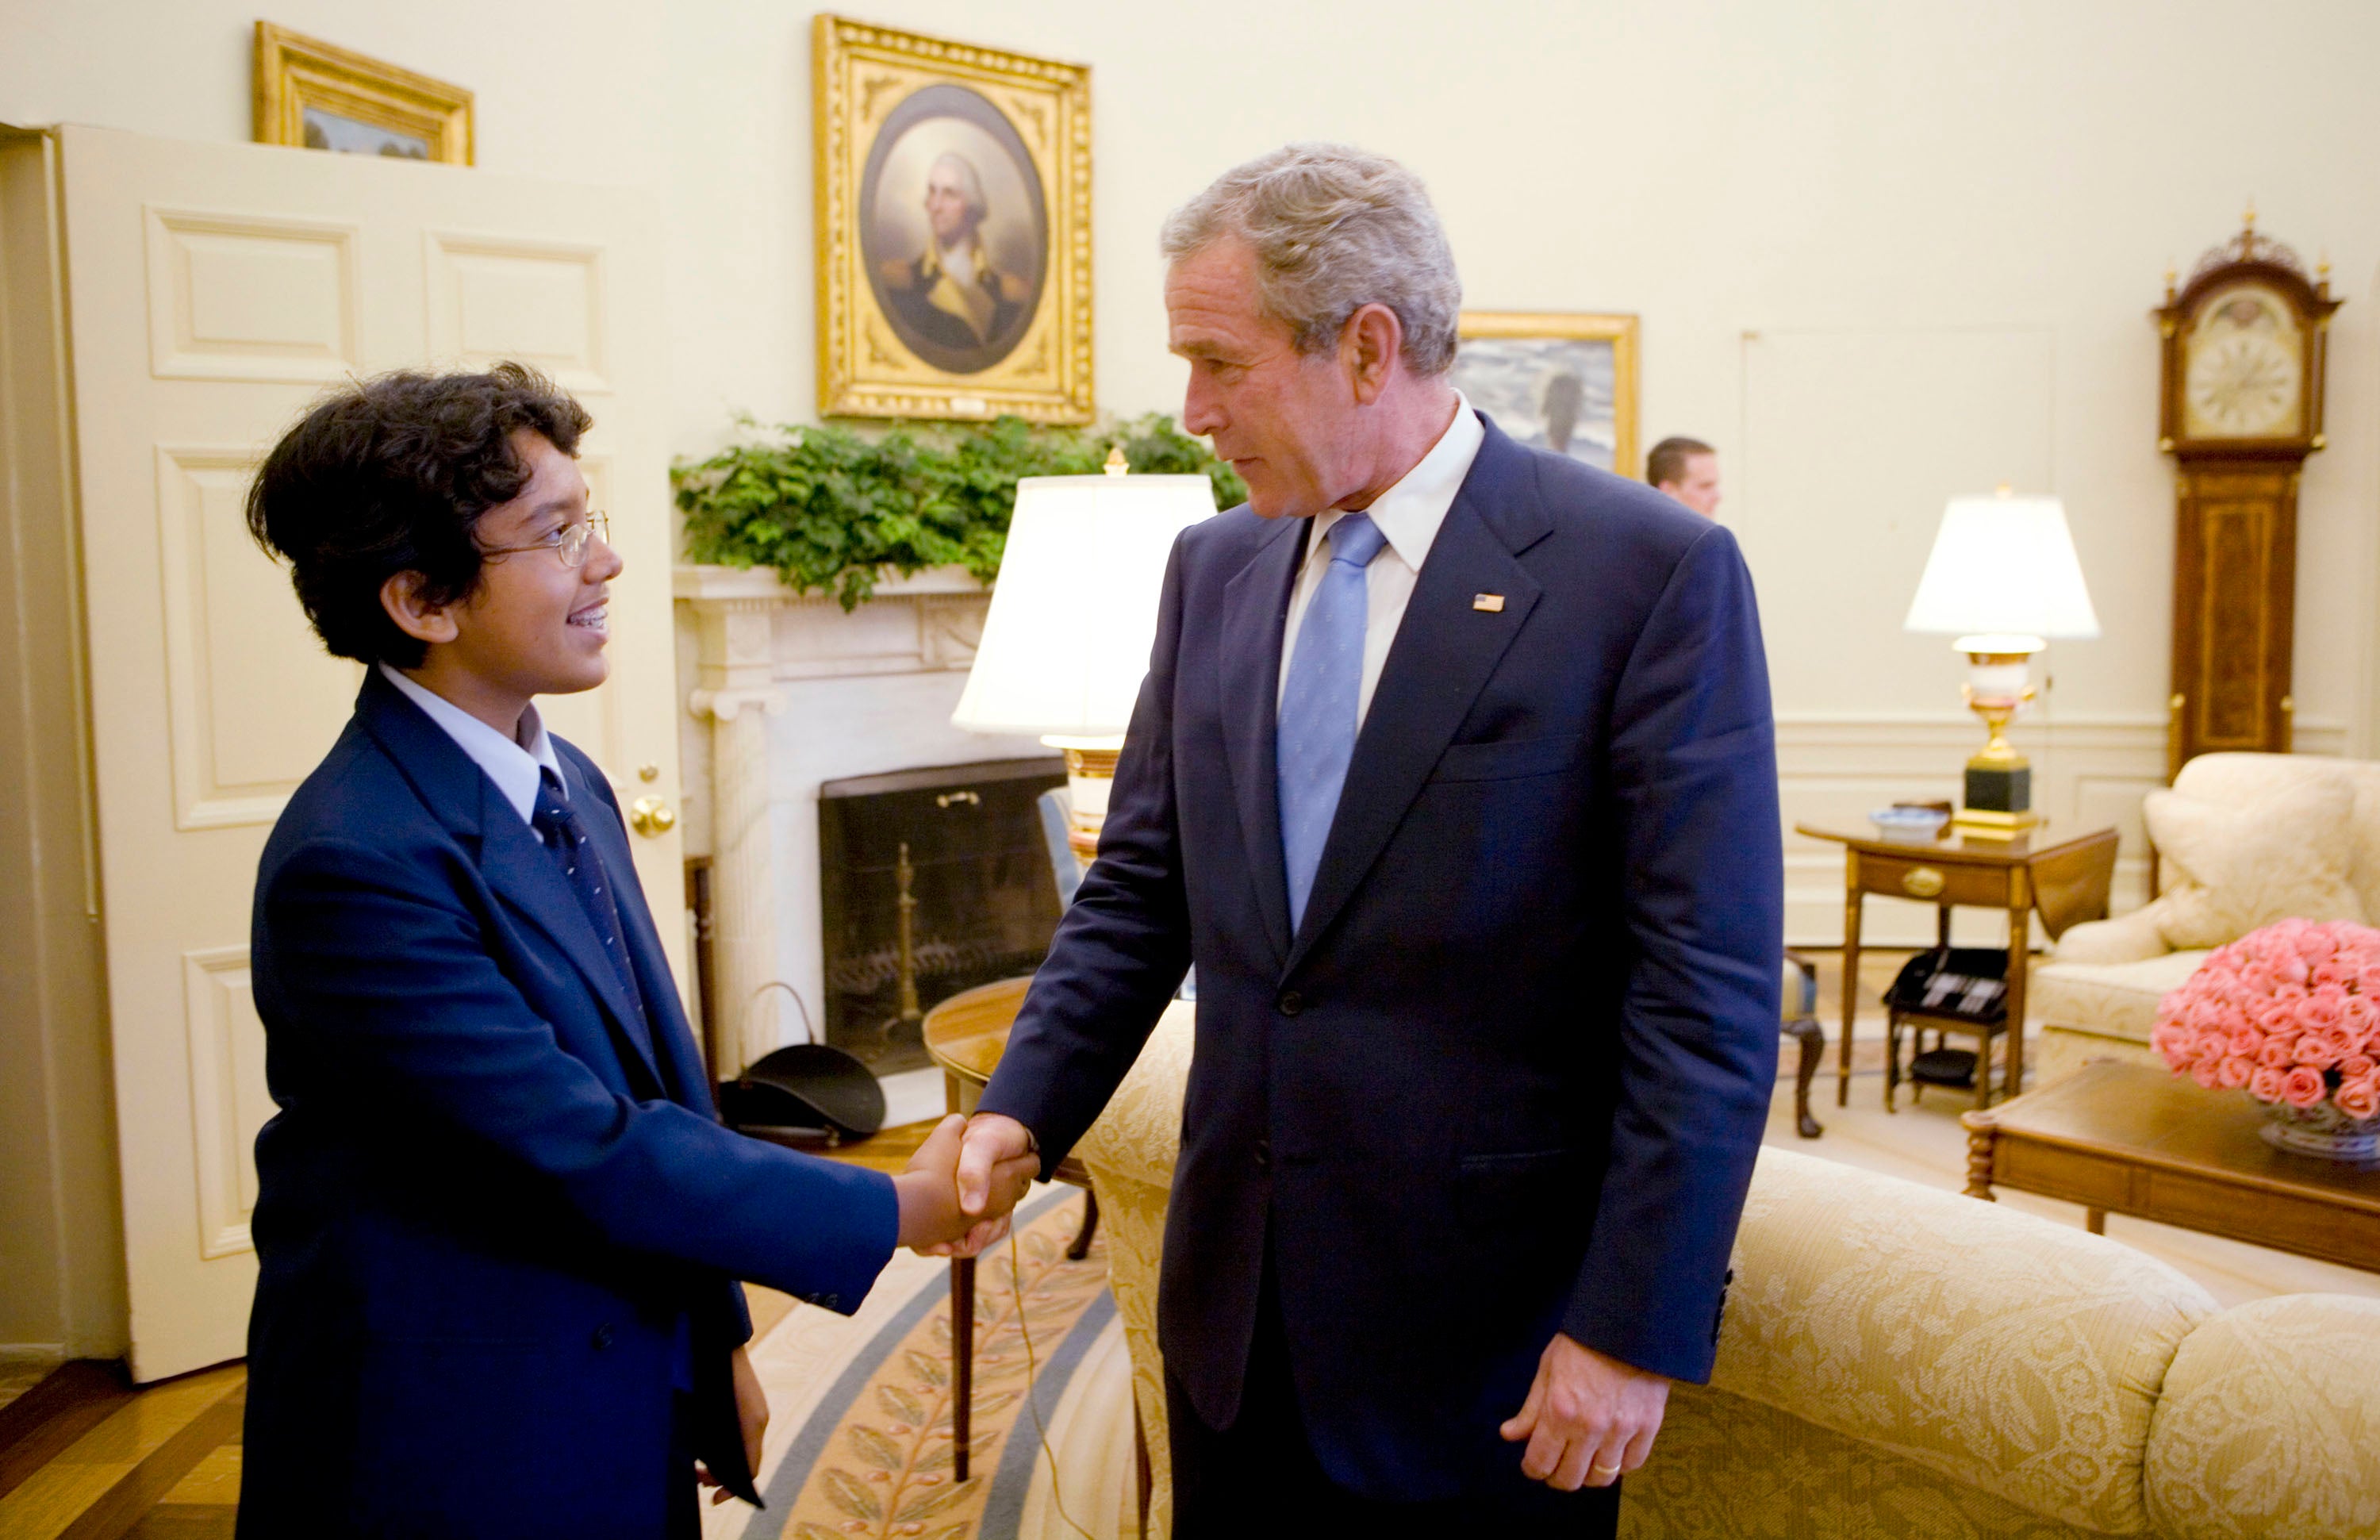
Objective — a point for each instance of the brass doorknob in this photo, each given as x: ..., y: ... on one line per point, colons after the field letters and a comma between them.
x: 650, y: 817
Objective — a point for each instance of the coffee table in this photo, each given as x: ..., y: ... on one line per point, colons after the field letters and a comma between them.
x: 2130, y: 1138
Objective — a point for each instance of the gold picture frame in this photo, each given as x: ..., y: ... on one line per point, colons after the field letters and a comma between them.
x: 978, y: 304
x: 313, y: 94
x: 1564, y: 382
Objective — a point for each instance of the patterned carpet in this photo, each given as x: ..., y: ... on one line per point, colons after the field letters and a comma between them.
x: 861, y: 1434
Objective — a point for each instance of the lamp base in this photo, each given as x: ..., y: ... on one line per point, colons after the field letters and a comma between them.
x: 1090, y: 771
x: 2000, y: 797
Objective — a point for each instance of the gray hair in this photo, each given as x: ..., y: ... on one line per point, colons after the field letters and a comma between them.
x: 1334, y: 228
x: 970, y: 184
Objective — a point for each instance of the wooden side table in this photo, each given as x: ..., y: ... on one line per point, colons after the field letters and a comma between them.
x: 965, y: 1035
x: 2065, y: 881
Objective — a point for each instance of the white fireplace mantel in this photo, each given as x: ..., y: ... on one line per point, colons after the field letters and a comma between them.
x: 786, y: 691
x: 928, y: 620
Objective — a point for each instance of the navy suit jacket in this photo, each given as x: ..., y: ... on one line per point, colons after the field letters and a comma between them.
x: 493, y: 1192
x: 1509, y: 1075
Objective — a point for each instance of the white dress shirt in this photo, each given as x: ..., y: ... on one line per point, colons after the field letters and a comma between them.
x: 1409, y: 514
x: 512, y: 764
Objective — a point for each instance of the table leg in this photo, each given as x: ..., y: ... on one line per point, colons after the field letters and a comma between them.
x: 1082, y: 1243
x: 2095, y: 1221
x: 2019, y: 951
x: 1981, y: 1136
x: 961, y: 1362
x: 1851, y: 978
x: 1805, y: 1031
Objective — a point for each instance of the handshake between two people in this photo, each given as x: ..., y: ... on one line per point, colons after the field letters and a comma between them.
x: 957, y: 1191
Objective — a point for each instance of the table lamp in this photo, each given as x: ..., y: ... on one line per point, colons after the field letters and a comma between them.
x: 1073, y: 616
x: 2003, y: 580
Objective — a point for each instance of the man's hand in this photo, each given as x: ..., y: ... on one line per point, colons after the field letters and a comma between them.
x: 995, y: 1167
x: 1588, y: 1418
x: 751, y: 1414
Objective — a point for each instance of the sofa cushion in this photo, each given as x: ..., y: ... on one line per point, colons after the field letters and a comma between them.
x: 2113, y: 999
x: 1726, y: 1468
x: 2237, y: 778
x: 2014, y: 1354
x: 2267, y: 1426
x: 2246, y: 861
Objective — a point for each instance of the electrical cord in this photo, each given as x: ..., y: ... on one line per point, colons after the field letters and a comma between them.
x: 1032, y: 1385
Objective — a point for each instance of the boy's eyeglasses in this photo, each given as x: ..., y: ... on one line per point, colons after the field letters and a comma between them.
x: 569, y: 542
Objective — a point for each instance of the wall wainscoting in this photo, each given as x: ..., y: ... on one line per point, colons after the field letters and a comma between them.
x: 2087, y: 774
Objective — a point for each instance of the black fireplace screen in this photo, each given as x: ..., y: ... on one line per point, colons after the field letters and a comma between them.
x: 984, y: 903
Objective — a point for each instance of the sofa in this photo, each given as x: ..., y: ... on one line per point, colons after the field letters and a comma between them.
x: 1899, y: 1361
x: 2243, y: 840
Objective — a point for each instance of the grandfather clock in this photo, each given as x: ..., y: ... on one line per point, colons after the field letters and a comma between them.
x: 2241, y: 409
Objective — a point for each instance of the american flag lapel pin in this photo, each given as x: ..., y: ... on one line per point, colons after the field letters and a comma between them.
x: 1491, y: 602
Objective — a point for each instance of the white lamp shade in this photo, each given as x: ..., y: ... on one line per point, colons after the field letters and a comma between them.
x: 1074, y: 610
x: 2003, y: 566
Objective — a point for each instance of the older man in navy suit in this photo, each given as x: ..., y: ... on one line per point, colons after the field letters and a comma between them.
x: 1454, y: 772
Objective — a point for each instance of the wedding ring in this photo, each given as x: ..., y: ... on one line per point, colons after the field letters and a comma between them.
x: 1603, y: 1469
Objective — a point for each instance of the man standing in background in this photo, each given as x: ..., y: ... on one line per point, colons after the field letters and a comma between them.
x: 1687, y: 469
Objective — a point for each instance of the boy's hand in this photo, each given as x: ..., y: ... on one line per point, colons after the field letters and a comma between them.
x: 929, y: 1190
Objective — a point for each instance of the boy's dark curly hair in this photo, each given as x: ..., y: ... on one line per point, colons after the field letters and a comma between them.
x: 391, y: 474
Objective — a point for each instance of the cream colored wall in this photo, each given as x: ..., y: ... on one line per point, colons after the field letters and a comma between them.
x: 1883, y: 253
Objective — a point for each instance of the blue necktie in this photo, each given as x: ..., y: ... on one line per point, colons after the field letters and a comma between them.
x: 582, y: 867
x: 1315, y: 736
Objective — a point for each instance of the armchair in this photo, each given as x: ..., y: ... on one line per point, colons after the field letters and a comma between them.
x: 2243, y: 840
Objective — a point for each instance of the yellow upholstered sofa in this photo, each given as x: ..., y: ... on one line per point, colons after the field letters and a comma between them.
x: 2243, y: 840
x: 1897, y: 1361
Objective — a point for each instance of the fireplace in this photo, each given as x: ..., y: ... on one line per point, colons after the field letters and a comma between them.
x: 961, y: 848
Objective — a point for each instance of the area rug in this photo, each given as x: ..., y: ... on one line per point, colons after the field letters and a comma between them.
x: 862, y: 1438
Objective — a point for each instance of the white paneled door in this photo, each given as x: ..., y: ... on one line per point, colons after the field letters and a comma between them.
x: 216, y: 291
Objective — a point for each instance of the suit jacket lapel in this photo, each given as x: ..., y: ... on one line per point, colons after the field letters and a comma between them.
x: 511, y: 858
x: 1256, y: 605
x: 670, y: 1040
x: 1444, y: 651
x: 521, y: 871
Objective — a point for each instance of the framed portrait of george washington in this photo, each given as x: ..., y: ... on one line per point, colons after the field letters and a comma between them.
x: 953, y: 228
x: 1564, y: 382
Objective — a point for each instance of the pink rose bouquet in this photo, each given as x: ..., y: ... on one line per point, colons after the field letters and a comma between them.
x: 2290, y: 1012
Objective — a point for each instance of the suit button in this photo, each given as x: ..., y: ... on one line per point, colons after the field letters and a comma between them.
x: 602, y: 1337
x: 1264, y: 1155
x: 1291, y: 1003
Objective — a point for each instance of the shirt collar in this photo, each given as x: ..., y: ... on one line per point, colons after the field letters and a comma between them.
x: 1410, y: 513
x: 514, y: 765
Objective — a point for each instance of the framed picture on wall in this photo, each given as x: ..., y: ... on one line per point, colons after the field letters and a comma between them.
x: 1560, y: 381
x: 953, y: 228
x: 318, y: 96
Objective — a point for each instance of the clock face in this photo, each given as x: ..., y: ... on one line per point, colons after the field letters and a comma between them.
x: 2242, y: 373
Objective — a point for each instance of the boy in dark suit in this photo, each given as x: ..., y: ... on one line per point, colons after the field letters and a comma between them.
x: 499, y: 1225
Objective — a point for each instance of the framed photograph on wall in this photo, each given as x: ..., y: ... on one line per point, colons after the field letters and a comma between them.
x: 953, y: 228
x: 1560, y: 381
x: 319, y: 96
